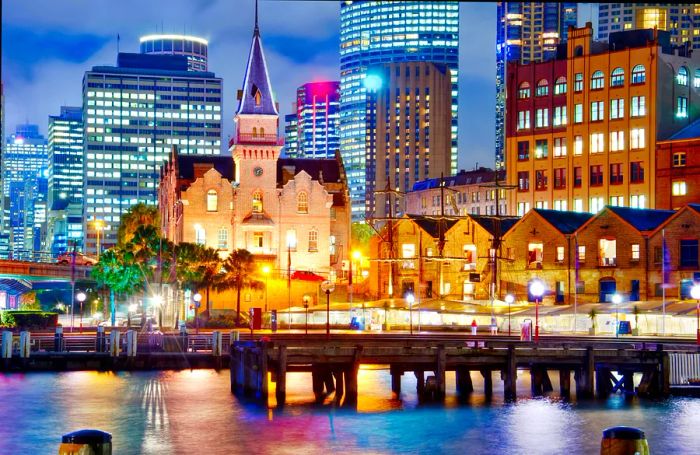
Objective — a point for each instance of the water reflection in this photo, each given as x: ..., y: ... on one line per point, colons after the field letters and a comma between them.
x: 194, y: 412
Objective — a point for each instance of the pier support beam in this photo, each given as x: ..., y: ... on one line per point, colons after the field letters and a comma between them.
x: 584, y: 376
x: 317, y: 384
x: 351, y: 379
x: 603, y: 382
x: 281, y: 376
x: 464, y: 381
x: 420, y: 382
x: 510, y: 375
x: 396, y: 382
x: 565, y: 384
x: 488, y: 383
x: 440, y: 371
x: 339, y: 385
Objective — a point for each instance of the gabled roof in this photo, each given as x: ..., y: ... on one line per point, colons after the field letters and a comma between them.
x: 257, y: 80
x: 490, y: 222
x: 327, y: 169
x: 691, y: 131
x: 186, y: 165
x: 564, y: 222
x: 478, y: 176
x: 642, y: 219
x: 432, y: 225
x: 695, y: 207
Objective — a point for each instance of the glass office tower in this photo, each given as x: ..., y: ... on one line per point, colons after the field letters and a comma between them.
x: 526, y: 32
x: 314, y: 127
x: 194, y: 48
x: 134, y: 114
x: 376, y: 32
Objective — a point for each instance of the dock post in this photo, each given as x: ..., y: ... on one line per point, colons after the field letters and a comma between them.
x: 420, y: 382
x: 281, y: 386
x: 114, y: 345
x: 629, y: 382
x: 233, y: 366
x: 25, y: 346
x: 216, y: 348
x: 664, y: 374
x: 488, y: 383
x: 58, y: 341
x: 131, y: 343
x: 510, y: 375
x: 100, y: 341
x: 440, y: 371
x: 317, y: 383
x: 6, y: 350
x: 464, y: 381
x: 396, y: 374
x: 339, y: 385
x: 536, y: 388
x: 565, y: 384
x: 602, y: 382
x: 584, y: 376
x: 262, y: 372
x: 351, y: 378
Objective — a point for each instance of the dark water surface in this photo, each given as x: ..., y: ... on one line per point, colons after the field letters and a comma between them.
x: 193, y: 412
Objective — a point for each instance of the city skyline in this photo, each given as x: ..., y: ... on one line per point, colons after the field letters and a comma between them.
x: 303, y: 47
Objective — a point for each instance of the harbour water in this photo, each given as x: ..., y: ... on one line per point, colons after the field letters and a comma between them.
x: 193, y: 412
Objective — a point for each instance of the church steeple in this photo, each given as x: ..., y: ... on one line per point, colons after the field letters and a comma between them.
x: 257, y: 91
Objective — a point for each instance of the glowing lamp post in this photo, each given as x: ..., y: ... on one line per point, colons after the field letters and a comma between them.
x: 197, y: 301
x: 81, y: 298
x: 695, y: 293
x: 509, y: 300
x: 266, y: 271
x: 537, y: 291
x: 328, y: 287
x: 410, y: 298
x: 99, y: 226
x: 616, y: 300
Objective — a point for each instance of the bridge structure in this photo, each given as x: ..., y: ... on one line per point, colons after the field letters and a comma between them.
x: 19, y: 277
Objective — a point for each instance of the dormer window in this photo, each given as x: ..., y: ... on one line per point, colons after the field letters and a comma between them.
x: 256, y: 94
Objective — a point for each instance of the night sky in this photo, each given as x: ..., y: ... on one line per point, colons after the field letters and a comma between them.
x: 47, y: 45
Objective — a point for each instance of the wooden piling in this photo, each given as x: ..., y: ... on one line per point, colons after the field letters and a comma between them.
x: 565, y: 384
x: 628, y: 378
x: 351, y: 378
x: 396, y: 381
x: 584, y: 376
x: 262, y: 374
x: 327, y: 375
x: 281, y: 375
x: 536, y: 388
x: 510, y: 375
x: 602, y: 382
x: 463, y: 381
x: 440, y: 370
x: 420, y: 382
x: 317, y: 384
x: 488, y: 383
x: 339, y: 385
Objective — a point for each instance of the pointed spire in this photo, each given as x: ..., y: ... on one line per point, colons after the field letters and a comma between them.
x: 257, y: 91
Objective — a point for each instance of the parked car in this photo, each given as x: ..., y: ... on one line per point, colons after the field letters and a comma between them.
x: 80, y: 259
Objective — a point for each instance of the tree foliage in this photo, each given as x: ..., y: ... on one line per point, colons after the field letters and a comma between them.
x: 238, y: 272
x: 361, y: 233
x: 137, y: 216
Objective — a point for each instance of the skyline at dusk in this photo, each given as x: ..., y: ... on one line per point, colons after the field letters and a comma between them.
x: 48, y: 47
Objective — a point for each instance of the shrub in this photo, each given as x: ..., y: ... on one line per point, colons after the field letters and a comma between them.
x: 7, y: 320
x: 33, y: 320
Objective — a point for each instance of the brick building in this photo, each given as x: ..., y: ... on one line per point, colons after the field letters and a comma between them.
x: 678, y: 168
x: 581, y: 130
x: 468, y: 192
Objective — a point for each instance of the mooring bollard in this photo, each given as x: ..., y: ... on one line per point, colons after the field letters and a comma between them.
x: 183, y: 337
x: 25, y: 345
x: 131, y: 340
x: 624, y: 441
x: 216, y: 343
x: 101, y: 343
x: 89, y: 442
x: 114, y: 347
x: 58, y: 341
x: 6, y: 351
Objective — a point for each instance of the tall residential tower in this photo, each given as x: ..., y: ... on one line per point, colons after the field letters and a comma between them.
x: 379, y: 32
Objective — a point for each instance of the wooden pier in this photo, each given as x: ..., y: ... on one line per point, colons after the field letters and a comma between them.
x: 598, y: 368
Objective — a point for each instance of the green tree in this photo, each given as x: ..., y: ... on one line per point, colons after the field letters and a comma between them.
x: 360, y: 234
x: 237, y: 273
x: 196, y: 267
x: 29, y: 301
x: 118, y: 271
x: 138, y: 215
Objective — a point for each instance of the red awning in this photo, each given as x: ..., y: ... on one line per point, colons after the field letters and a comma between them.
x: 306, y: 276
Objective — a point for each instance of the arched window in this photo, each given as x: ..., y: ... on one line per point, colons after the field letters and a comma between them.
x: 256, y: 94
x: 578, y: 52
x: 560, y: 86
x: 255, y: 132
x: 302, y: 203
x: 212, y: 201
x: 257, y: 202
x: 617, y: 77
x: 524, y: 91
x: 597, y: 80
x: 262, y: 131
x: 682, y: 76
x: 542, y: 88
x: 639, y: 74
x: 313, y: 240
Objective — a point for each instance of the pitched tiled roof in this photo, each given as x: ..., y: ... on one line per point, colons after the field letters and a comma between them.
x: 489, y: 222
x: 564, y: 222
x: 478, y: 176
x: 257, y: 80
x: 689, y: 132
x: 432, y: 225
x: 642, y: 219
x: 695, y: 207
x: 186, y: 164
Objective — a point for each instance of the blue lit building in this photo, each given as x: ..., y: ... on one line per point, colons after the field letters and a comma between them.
x: 134, y: 114
x: 526, y: 32
x: 314, y: 127
x: 194, y: 48
x: 374, y: 33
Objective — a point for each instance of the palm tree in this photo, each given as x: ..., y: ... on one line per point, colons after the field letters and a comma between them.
x: 196, y: 267
x: 137, y: 215
x: 117, y: 271
x: 238, y: 271
x: 210, y: 269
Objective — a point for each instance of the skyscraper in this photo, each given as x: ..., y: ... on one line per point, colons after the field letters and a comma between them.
x: 134, y: 113
x: 408, y: 129
x: 25, y: 161
x: 372, y: 33
x: 681, y: 20
x: 317, y: 114
x: 192, y: 47
x: 291, y: 144
x: 526, y: 32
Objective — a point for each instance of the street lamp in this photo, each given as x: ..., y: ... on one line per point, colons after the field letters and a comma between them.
x: 81, y: 298
x: 197, y: 299
x: 266, y: 271
x: 616, y: 300
x: 537, y: 291
x: 695, y: 293
x: 410, y: 298
x: 291, y: 244
x: 328, y: 286
x: 509, y: 300
x: 355, y: 256
x: 99, y: 225
x: 306, y: 299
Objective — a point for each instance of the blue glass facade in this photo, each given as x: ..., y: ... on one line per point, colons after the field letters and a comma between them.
x: 314, y: 127
x: 526, y: 32
x: 372, y: 33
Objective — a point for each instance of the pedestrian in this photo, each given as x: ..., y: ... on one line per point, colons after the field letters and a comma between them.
x: 494, y: 326
x: 474, y: 327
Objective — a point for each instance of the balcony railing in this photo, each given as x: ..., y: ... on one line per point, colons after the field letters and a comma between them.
x: 268, y: 139
x: 608, y: 262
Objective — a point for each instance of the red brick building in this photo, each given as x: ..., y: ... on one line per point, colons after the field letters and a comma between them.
x: 678, y: 168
